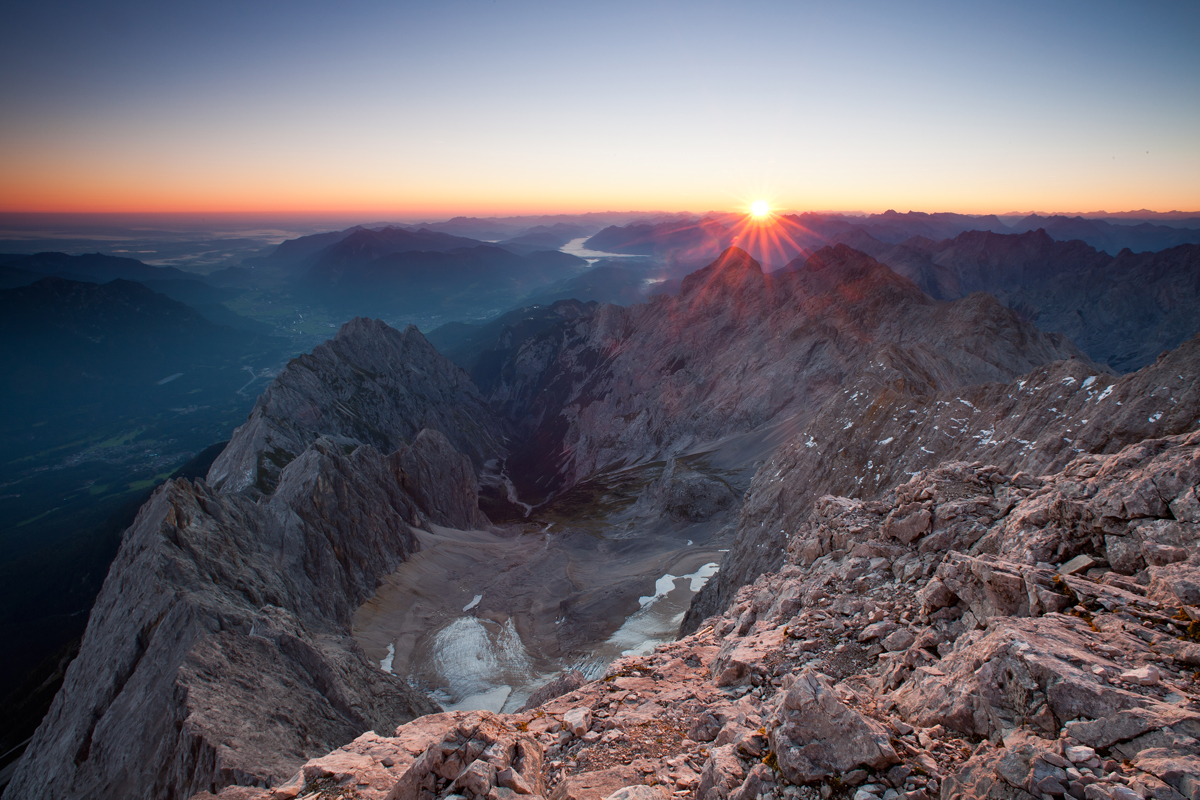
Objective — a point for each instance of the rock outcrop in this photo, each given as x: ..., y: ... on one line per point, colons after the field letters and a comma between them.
x: 370, y: 384
x: 989, y: 651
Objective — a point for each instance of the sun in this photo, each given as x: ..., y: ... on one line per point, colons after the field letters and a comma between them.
x: 760, y: 209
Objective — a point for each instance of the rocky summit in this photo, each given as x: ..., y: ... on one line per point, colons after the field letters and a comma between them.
x: 967, y: 563
x: 370, y: 384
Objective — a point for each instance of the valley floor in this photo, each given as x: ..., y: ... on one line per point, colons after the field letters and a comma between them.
x: 482, y: 618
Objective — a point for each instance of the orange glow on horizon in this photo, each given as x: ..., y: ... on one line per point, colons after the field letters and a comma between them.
x: 73, y: 188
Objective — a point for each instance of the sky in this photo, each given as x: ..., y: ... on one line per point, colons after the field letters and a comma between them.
x: 503, y: 107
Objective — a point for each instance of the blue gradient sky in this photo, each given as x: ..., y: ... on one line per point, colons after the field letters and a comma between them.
x: 502, y: 107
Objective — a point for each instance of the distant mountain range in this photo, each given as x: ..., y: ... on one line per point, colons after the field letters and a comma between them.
x: 695, y: 242
x: 1122, y: 311
x: 186, y: 287
x: 69, y: 345
x: 92, y: 267
x: 361, y: 274
x: 1110, y: 237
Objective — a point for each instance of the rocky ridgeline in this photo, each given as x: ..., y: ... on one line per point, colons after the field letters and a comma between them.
x: 878, y: 431
x: 370, y: 384
x: 970, y: 634
x: 1122, y: 311
x: 219, y: 649
x: 736, y: 351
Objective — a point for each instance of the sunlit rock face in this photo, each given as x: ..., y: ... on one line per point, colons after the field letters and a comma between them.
x: 737, y: 350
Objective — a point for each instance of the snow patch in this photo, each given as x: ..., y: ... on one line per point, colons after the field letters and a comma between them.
x: 664, y: 585
x: 473, y: 603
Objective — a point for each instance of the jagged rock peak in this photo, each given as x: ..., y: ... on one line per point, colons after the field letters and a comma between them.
x: 365, y: 326
x: 370, y: 384
x: 853, y: 274
x: 219, y: 649
x: 733, y: 268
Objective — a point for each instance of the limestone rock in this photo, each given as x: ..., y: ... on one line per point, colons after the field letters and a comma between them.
x: 638, y: 792
x: 723, y: 773
x: 472, y: 752
x: 815, y: 735
x: 578, y: 720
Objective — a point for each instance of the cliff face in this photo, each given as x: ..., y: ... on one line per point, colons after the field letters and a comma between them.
x: 737, y: 350
x: 370, y: 384
x: 219, y: 650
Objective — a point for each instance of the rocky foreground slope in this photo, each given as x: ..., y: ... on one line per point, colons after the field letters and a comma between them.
x: 970, y: 634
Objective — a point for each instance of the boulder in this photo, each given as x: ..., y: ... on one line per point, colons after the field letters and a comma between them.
x: 578, y: 720
x: 638, y: 792
x: 815, y: 735
x: 596, y: 784
x: 1181, y: 771
x: 1175, y: 584
x: 473, y: 752
x: 723, y: 772
x: 908, y: 523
